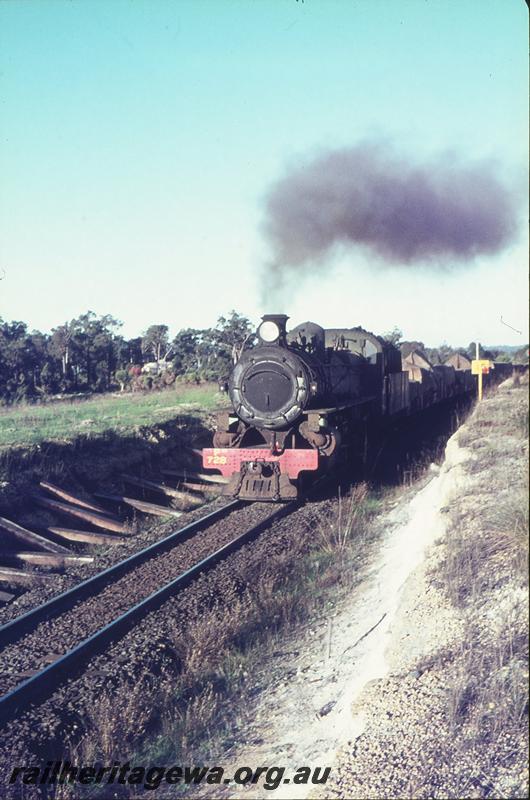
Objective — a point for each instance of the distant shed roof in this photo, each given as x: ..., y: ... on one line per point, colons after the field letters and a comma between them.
x: 418, y: 359
x: 459, y: 361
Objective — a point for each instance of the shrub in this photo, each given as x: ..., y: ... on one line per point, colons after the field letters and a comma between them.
x: 122, y: 376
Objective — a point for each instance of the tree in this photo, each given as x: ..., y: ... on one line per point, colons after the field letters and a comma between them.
x: 394, y: 336
x: 60, y: 345
x: 440, y: 354
x: 88, y: 350
x: 98, y: 335
x: 88, y: 353
x: 130, y: 350
x: 188, y: 350
x: 208, y: 354
x: 521, y: 355
x: 155, y: 341
x: 472, y: 351
x: 18, y: 362
x: 225, y: 342
x: 49, y: 379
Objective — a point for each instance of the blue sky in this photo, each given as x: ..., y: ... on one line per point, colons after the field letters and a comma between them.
x: 138, y: 139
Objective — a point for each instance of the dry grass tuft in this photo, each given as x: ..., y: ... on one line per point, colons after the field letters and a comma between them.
x: 336, y: 532
x: 117, y: 718
x: 490, y: 690
x: 200, y: 647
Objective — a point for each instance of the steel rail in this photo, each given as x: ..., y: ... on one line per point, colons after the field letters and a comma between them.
x: 21, y: 625
x: 40, y: 686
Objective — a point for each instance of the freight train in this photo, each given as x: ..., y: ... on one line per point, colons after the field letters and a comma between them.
x: 302, y: 398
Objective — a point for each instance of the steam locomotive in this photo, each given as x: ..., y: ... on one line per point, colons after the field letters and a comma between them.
x: 299, y: 398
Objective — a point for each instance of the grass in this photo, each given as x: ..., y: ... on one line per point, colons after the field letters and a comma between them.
x: 26, y: 425
x: 336, y: 533
x: 485, y: 576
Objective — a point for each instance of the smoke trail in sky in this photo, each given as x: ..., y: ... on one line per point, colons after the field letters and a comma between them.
x: 402, y: 210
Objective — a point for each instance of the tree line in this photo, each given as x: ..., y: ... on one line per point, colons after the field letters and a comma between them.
x: 88, y: 354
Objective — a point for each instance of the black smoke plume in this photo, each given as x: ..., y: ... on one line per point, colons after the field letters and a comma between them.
x: 401, y: 210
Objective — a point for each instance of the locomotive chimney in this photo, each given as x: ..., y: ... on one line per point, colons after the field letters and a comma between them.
x: 272, y: 329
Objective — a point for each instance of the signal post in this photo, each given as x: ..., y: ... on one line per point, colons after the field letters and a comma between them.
x: 480, y: 367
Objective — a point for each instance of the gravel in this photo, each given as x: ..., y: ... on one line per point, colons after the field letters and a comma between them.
x: 58, y: 635
x: 104, y: 557
x: 143, y: 656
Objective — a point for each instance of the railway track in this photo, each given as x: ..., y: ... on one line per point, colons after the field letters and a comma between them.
x: 50, y: 644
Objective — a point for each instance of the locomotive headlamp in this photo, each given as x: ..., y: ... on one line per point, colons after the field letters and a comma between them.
x: 268, y: 331
x: 271, y: 331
